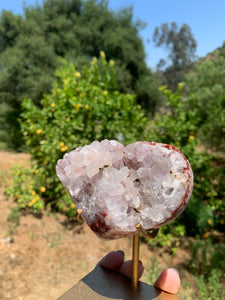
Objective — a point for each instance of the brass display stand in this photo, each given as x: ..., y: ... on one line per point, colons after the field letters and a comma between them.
x: 102, y: 284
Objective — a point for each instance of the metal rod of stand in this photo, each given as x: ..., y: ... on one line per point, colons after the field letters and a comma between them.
x: 135, y: 259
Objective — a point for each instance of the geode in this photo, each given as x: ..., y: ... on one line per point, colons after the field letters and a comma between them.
x: 117, y: 187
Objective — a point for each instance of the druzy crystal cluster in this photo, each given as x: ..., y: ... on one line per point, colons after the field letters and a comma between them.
x: 117, y: 187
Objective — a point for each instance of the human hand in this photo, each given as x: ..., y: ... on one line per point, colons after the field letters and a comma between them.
x: 168, y: 280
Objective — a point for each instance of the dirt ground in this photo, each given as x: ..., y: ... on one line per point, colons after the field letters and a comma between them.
x: 47, y: 256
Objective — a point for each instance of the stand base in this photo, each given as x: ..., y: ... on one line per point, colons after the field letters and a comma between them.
x: 101, y: 284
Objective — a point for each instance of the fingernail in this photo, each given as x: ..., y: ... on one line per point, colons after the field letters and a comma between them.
x: 175, y: 270
x: 120, y: 251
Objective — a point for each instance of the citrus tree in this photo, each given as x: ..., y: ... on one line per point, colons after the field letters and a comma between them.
x: 83, y: 106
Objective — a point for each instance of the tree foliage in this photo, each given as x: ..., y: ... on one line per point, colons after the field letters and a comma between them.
x: 179, y: 127
x: 31, y: 45
x: 206, y: 93
x: 181, y: 46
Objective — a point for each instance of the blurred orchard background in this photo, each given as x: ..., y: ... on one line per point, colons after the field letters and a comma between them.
x: 74, y: 71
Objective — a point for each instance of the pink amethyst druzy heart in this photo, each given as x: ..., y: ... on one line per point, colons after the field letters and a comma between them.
x: 118, y: 187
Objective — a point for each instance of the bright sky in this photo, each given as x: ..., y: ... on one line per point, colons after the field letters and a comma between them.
x: 206, y: 19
